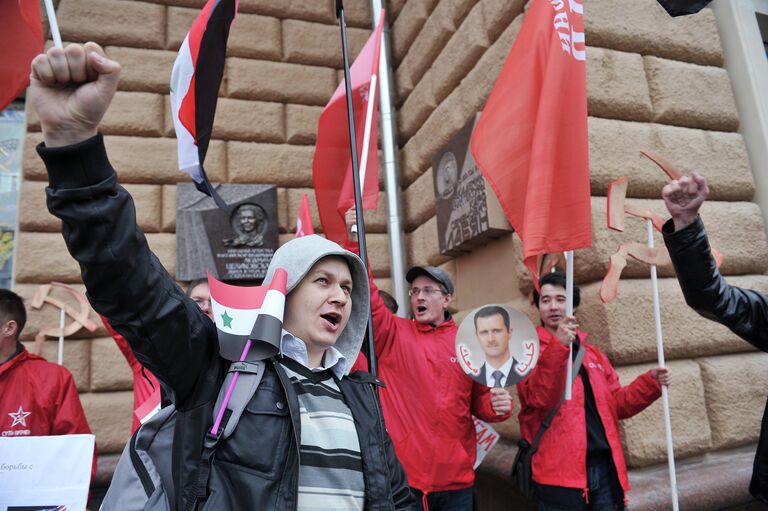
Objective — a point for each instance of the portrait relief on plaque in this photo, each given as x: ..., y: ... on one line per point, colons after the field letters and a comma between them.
x: 233, y: 245
x: 447, y: 175
x: 249, y: 221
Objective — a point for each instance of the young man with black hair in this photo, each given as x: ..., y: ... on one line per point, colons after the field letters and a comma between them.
x: 37, y: 397
x: 579, y: 464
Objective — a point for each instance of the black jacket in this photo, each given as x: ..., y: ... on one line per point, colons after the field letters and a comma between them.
x: 257, y: 467
x: 744, y: 311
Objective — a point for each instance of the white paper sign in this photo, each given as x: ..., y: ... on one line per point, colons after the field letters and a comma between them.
x: 487, y: 437
x: 45, y: 472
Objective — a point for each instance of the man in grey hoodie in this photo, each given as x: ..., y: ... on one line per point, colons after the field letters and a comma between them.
x: 312, y: 437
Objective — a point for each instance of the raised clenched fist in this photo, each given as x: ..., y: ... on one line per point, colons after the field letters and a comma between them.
x: 71, y: 90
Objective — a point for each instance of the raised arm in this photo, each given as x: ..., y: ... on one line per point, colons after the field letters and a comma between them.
x: 384, y: 320
x: 71, y: 91
x: 638, y: 395
x: 744, y: 311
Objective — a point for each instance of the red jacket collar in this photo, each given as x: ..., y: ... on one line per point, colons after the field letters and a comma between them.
x: 15, y: 360
x: 423, y: 327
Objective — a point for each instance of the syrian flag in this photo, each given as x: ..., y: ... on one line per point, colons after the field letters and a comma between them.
x: 249, y: 320
x: 304, y: 219
x: 332, y: 163
x: 195, y: 82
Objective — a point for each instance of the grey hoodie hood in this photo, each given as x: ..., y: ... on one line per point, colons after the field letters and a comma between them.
x: 299, y: 255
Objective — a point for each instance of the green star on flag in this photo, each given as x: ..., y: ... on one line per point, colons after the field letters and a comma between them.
x: 227, y: 320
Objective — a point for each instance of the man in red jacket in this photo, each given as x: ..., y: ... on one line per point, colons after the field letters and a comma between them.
x: 428, y: 401
x: 38, y: 398
x: 579, y: 464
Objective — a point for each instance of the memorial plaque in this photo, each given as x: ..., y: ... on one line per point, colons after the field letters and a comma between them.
x: 468, y: 212
x: 237, y: 246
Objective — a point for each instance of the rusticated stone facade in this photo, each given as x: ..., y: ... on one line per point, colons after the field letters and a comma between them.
x: 653, y: 82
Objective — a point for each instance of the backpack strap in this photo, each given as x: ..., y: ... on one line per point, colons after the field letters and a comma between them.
x: 551, y: 415
x: 249, y: 375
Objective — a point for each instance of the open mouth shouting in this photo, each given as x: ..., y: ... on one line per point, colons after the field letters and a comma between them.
x: 332, y: 320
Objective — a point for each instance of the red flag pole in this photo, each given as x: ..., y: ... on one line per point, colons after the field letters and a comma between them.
x: 372, y: 366
x: 569, y: 312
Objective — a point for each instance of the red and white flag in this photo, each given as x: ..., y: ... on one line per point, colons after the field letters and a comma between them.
x: 21, y: 37
x: 531, y: 140
x: 304, y: 225
x: 249, y: 314
x: 332, y: 164
x: 195, y: 82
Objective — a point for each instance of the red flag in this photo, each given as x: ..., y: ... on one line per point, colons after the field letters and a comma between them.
x: 531, y: 140
x: 146, y: 388
x: 21, y: 37
x: 304, y: 219
x: 332, y: 165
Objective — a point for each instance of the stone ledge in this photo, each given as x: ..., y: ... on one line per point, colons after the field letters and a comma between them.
x: 691, y: 95
x: 112, y: 22
x: 407, y: 27
x: 615, y: 146
x: 644, y: 27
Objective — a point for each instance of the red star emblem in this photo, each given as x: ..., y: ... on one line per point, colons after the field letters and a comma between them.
x: 20, y: 417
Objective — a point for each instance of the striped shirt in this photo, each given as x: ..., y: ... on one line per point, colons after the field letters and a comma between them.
x: 330, y: 464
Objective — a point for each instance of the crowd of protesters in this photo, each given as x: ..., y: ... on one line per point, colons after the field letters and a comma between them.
x: 314, y: 435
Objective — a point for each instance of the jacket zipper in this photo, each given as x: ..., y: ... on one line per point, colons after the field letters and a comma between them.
x: 141, y: 470
x: 280, y: 377
x: 380, y: 428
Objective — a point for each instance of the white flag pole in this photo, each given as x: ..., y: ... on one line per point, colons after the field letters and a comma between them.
x: 569, y: 312
x: 53, y: 24
x: 366, y: 137
x: 664, y: 393
x: 61, y: 338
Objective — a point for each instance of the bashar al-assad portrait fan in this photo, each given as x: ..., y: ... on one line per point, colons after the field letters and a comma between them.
x: 497, y: 346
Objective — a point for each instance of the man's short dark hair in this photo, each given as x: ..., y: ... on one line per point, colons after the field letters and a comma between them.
x: 557, y: 279
x: 12, y: 308
x: 492, y: 310
x: 192, y: 285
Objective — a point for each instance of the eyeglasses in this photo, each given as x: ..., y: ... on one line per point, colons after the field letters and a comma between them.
x: 429, y: 291
x: 202, y: 301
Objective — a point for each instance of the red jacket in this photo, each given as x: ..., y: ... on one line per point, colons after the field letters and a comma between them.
x: 429, y: 401
x: 39, y: 398
x: 561, y: 459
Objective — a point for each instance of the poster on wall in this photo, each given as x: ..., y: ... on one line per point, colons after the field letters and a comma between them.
x: 45, y: 472
x: 12, y: 128
x: 468, y: 212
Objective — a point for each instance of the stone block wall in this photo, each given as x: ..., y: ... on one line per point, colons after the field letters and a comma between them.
x: 653, y: 82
